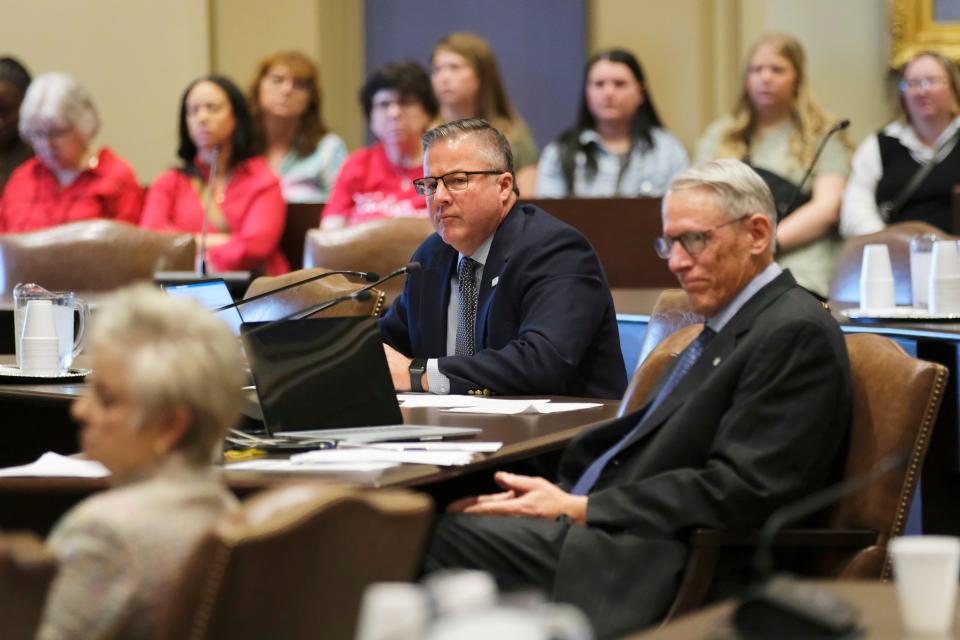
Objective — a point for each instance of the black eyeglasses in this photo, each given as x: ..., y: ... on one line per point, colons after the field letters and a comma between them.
x: 694, y: 242
x: 453, y: 181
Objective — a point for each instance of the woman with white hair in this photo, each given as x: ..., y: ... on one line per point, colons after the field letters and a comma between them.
x: 165, y: 388
x: 67, y: 180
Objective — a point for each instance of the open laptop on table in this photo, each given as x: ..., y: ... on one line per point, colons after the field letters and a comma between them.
x: 328, y: 378
x: 212, y: 293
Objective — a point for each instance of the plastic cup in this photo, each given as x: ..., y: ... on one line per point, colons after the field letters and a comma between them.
x: 926, y: 570
x: 876, y: 278
x: 921, y: 254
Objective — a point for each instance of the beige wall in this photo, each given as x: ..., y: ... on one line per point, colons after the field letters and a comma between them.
x: 133, y: 56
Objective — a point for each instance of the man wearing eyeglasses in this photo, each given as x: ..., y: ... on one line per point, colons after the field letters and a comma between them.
x: 752, y: 415
x: 509, y: 300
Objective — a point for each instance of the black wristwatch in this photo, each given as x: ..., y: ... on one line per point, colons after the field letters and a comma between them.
x: 417, y: 367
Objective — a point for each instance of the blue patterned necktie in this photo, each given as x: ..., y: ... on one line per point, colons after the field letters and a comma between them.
x: 466, y: 306
x: 689, y: 356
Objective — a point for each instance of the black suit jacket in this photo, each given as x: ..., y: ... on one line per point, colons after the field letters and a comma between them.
x: 545, y: 318
x: 758, y: 422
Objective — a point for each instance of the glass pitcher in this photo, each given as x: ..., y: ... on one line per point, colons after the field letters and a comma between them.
x: 64, y: 305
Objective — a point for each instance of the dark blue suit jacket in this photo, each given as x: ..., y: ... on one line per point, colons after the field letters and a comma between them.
x: 545, y: 318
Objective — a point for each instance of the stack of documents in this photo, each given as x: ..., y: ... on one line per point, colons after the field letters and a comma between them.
x: 441, y: 454
x: 51, y: 465
x: 482, y: 404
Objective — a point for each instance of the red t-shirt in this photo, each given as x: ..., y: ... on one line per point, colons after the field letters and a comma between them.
x: 370, y: 187
x: 33, y: 199
x: 252, y: 207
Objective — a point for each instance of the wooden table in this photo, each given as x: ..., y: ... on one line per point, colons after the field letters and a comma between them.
x: 877, y: 602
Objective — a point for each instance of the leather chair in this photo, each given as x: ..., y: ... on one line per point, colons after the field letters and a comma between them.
x: 293, y: 563
x: 302, y: 297
x: 896, y: 399
x: 671, y: 312
x: 379, y: 246
x: 845, y: 285
x: 91, y: 255
x: 27, y: 568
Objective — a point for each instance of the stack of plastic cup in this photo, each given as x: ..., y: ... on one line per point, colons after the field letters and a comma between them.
x: 926, y: 570
x: 40, y: 347
x: 945, y: 278
x: 876, y: 278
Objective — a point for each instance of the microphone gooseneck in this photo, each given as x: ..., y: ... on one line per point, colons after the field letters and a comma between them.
x: 410, y: 267
x: 839, y: 126
x: 211, y: 184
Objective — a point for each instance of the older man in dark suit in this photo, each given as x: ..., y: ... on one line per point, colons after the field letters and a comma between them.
x: 509, y: 300
x: 753, y: 415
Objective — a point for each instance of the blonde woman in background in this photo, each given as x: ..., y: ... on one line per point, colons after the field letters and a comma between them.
x: 776, y: 127
x: 288, y: 125
x: 467, y: 83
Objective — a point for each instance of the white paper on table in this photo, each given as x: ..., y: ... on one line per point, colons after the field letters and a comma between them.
x: 51, y: 465
x: 353, y: 470
x: 369, y: 454
x: 516, y: 407
x: 417, y: 445
x: 413, y: 400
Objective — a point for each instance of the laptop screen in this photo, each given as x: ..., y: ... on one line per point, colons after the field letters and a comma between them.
x: 321, y: 373
x: 212, y: 294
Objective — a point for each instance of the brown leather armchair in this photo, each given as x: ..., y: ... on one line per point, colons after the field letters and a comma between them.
x: 845, y: 285
x: 91, y: 255
x: 293, y: 563
x: 895, y: 403
x: 300, y: 298
x: 379, y: 246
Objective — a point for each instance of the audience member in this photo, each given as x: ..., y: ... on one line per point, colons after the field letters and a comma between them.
x: 618, y: 146
x: 14, y: 151
x: 377, y: 182
x: 164, y: 391
x: 67, y: 180
x: 752, y: 416
x: 288, y: 125
x: 776, y: 127
x: 466, y: 80
x: 247, y: 211
x: 920, y: 145
x: 509, y: 299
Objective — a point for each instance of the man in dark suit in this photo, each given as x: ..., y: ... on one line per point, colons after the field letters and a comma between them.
x: 753, y: 415
x: 508, y: 300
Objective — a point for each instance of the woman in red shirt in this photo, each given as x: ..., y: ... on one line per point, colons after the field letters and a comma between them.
x: 67, y: 180
x: 247, y: 210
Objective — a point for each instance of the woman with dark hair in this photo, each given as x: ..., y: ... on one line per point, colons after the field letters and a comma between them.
x: 881, y: 189
x: 247, y: 211
x: 14, y: 80
x: 287, y: 123
x: 618, y: 146
x: 467, y: 83
x: 377, y: 181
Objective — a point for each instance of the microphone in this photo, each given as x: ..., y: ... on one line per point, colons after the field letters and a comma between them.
x: 839, y: 126
x: 369, y: 276
x: 783, y: 607
x: 410, y: 267
x: 211, y: 182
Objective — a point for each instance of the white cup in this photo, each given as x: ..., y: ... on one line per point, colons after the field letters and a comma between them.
x: 944, y: 284
x: 40, y: 349
x: 876, y: 278
x: 393, y: 611
x: 926, y: 569
x: 921, y: 254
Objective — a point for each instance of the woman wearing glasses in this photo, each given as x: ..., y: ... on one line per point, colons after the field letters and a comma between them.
x: 68, y: 179
x: 287, y: 124
x: 377, y: 181
x: 776, y: 127
x: 887, y: 185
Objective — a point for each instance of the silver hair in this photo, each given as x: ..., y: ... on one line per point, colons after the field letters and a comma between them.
x: 737, y: 189
x: 59, y: 98
x: 178, y: 355
x: 495, y: 150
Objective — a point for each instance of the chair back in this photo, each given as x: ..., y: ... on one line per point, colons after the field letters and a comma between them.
x: 293, y: 562
x: 91, y: 255
x: 300, y: 298
x: 671, y: 312
x: 647, y: 374
x: 845, y: 285
x: 27, y: 568
x: 301, y: 218
x: 379, y: 246
x: 896, y: 399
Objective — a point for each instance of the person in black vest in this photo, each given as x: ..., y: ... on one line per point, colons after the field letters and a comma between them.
x: 886, y: 185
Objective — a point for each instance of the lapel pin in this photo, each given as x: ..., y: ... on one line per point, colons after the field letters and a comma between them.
x: 494, y: 282
x: 716, y: 361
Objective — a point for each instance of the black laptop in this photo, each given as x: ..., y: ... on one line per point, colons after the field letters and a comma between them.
x: 328, y: 378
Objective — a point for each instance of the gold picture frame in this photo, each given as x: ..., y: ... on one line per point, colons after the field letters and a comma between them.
x: 915, y: 29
